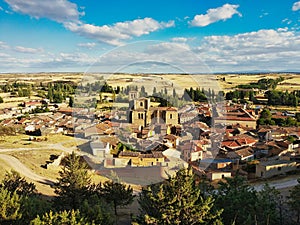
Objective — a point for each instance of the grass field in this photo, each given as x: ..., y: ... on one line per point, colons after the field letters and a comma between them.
x: 22, y: 141
x: 3, y: 169
x: 18, y: 141
x: 292, y: 81
x: 35, y: 159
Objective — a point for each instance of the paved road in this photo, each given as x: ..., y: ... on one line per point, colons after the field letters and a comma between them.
x: 22, y: 169
x: 283, y: 183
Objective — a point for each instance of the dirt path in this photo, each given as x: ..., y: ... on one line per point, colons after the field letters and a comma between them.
x: 22, y: 169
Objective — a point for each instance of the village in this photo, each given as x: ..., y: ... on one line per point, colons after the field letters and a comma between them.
x: 217, y: 139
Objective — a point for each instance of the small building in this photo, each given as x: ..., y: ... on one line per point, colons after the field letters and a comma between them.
x: 215, y: 164
x: 99, y: 148
x: 171, y: 140
x: 218, y: 175
x: 273, y: 168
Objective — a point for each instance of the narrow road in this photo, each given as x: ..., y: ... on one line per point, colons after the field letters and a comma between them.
x: 57, y: 146
x: 286, y: 182
x: 22, y: 169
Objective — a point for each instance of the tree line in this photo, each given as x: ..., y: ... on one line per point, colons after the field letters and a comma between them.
x: 263, y: 84
x: 266, y: 118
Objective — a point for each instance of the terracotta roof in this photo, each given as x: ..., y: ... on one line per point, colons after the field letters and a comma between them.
x: 235, y: 118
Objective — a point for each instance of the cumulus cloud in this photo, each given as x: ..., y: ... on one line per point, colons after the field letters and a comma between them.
x: 179, y: 39
x: 57, y: 10
x: 182, y: 39
x: 3, y: 45
x: 214, y: 15
x: 22, y: 49
x: 114, y: 34
x: 67, y: 13
x: 272, y: 49
x: 88, y: 45
x: 296, y: 6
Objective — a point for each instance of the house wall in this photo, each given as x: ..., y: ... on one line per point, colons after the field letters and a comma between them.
x: 196, y: 156
x: 171, y: 117
x: 222, y: 165
x: 146, y: 161
x: 218, y: 175
x: 266, y: 171
x: 138, y: 118
x: 251, y: 124
x: 136, y: 161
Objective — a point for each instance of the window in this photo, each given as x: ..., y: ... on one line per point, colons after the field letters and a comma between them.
x: 140, y: 116
x: 141, y: 103
x: 279, y: 168
x: 171, y: 116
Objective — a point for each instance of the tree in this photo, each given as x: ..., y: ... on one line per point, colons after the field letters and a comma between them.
x: 74, y: 182
x: 116, y: 193
x: 294, y: 200
x: 33, y: 206
x: 267, y: 206
x: 13, y: 182
x: 10, y: 206
x: 50, y: 93
x: 71, y: 101
x: 61, y: 218
x: 174, y: 93
x: 266, y: 114
x: 237, y: 199
x: 154, y: 91
x: 178, y: 200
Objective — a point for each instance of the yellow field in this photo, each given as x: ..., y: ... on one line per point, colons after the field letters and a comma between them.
x: 18, y: 141
x: 3, y: 169
x: 292, y: 81
x: 35, y: 159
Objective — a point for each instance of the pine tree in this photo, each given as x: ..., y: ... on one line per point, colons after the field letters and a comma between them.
x: 178, y: 200
x: 61, y: 218
x: 294, y: 200
x: 237, y: 199
x: 116, y: 193
x: 267, y: 206
x: 13, y: 182
x: 10, y: 206
x: 73, y: 184
x: 71, y: 101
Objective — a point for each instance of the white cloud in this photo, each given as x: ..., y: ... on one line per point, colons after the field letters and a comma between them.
x: 57, y: 10
x: 214, y: 15
x: 260, y: 50
x: 182, y: 39
x: 263, y: 50
x: 3, y: 45
x: 296, y: 6
x: 263, y: 15
x: 114, y: 34
x: 287, y: 21
x: 88, y: 45
x: 22, y: 49
x: 67, y: 13
x: 179, y: 39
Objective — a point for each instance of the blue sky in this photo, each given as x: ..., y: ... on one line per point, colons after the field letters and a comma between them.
x: 193, y: 35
